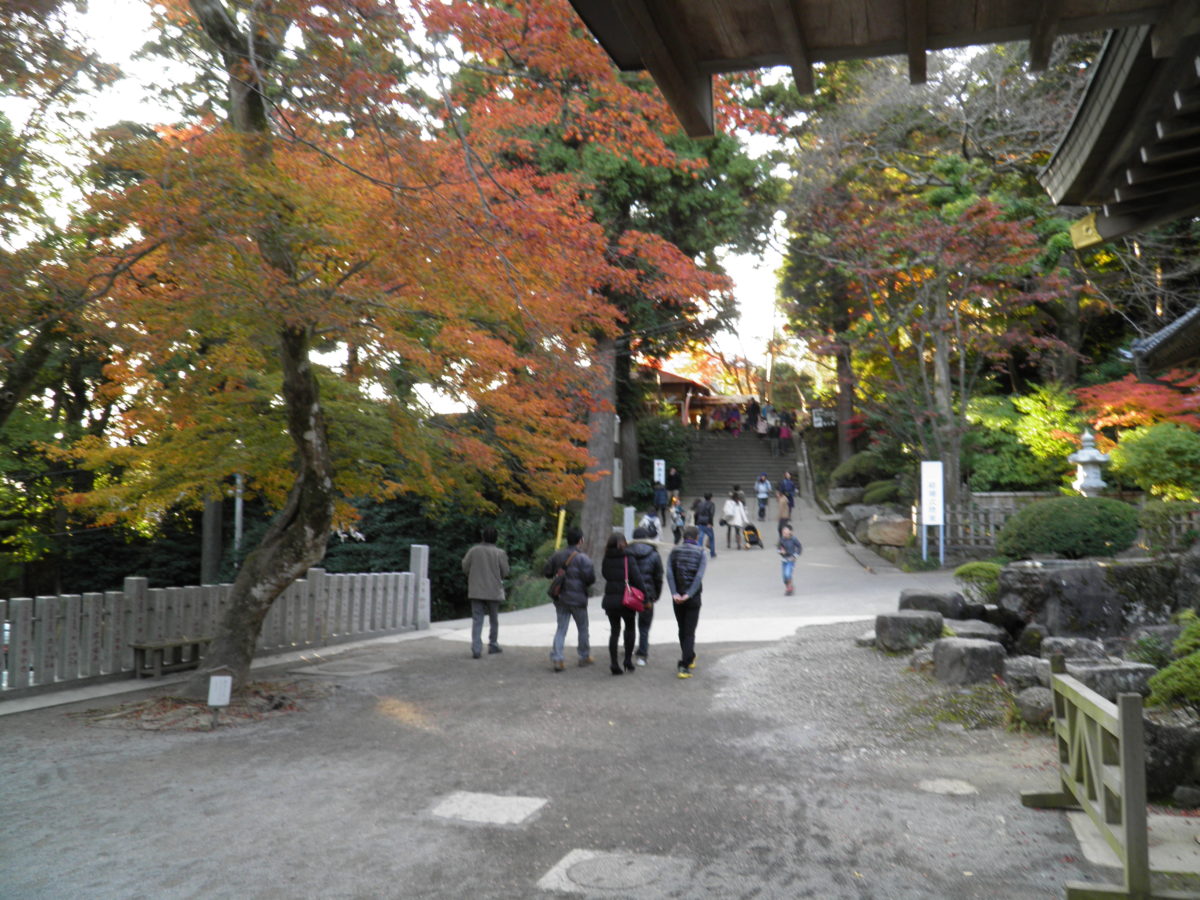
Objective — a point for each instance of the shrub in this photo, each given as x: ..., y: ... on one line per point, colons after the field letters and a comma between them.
x: 1071, y: 527
x: 665, y: 438
x: 1178, y: 684
x: 881, y: 492
x: 980, y: 581
x: 1188, y: 641
x: 861, y: 469
x: 1162, y: 459
x: 1151, y: 649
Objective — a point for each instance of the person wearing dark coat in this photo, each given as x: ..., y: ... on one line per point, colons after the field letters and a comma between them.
x: 650, y: 565
x: 618, y: 567
x: 572, y: 603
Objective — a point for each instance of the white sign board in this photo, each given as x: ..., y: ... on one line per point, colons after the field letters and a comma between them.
x: 220, y: 688
x: 932, y: 506
x: 660, y: 471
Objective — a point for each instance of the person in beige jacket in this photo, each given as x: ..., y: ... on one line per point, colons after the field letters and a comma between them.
x: 486, y: 567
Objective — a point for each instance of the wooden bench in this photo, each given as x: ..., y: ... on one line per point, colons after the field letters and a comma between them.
x: 157, y: 657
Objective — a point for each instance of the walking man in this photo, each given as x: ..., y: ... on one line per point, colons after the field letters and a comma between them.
x: 685, y: 577
x: 486, y: 567
x: 571, y: 603
x: 788, y: 487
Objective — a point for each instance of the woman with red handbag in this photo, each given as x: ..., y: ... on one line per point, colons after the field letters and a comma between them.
x: 624, y: 596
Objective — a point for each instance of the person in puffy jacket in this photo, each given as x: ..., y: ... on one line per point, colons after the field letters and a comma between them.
x: 650, y: 565
x: 572, y: 601
x: 617, y: 568
x: 685, y: 578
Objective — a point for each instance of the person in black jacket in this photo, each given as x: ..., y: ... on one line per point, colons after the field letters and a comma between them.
x: 572, y: 603
x: 650, y: 566
x: 685, y: 578
x: 618, y: 568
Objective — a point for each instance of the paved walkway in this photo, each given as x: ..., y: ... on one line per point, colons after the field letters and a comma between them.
x: 792, y: 765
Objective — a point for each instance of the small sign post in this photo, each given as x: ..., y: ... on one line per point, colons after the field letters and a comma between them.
x: 933, y: 507
x: 660, y: 471
x: 220, y: 691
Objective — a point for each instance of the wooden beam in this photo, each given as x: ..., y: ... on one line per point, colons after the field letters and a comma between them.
x: 1187, y: 100
x: 1041, y: 38
x: 791, y: 31
x: 1180, y: 20
x: 916, y: 38
x: 1185, y: 180
x: 1166, y: 151
x: 670, y: 63
x: 1177, y: 127
x: 1101, y: 226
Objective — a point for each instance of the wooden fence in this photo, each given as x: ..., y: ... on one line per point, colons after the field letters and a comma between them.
x: 48, y: 642
x: 1102, y: 770
x: 971, y: 528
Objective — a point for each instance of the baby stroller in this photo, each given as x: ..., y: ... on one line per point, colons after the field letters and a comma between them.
x: 750, y: 533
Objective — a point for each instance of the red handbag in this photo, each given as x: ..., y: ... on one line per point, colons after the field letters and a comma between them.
x: 633, y: 599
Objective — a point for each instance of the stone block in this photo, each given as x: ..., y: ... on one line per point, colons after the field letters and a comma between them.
x: 907, y: 629
x: 844, y: 496
x: 1073, y: 648
x: 967, y: 660
x: 984, y: 631
x: 1029, y: 640
x: 866, y: 639
x: 890, y: 530
x: 1186, y: 796
x: 950, y: 605
x: 1021, y: 672
x: 1108, y: 679
x: 1035, y: 705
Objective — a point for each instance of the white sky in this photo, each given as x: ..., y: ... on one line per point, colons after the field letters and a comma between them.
x: 121, y: 28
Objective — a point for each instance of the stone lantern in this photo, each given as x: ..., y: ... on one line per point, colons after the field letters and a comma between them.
x: 1088, y: 461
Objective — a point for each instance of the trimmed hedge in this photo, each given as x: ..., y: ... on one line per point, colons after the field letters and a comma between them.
x: 861, y: 469
x: 1071, y: 527
x: 1178, y: 684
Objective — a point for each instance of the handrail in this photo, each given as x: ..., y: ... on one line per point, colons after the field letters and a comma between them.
x: 1102, y: 770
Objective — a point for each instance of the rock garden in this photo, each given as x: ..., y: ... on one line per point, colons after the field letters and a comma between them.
x: 1121, y: 625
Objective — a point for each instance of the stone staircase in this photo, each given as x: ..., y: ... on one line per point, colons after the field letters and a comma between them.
x: 720, y: 461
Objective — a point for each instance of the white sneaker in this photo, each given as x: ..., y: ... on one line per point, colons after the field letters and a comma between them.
x: 641, y: 660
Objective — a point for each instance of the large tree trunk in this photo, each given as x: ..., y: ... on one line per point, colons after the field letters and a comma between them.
x: 598, y: 493
x: 295, y: 540
x: 20, y: 376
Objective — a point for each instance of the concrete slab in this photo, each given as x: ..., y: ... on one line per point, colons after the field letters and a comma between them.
x: 1173, y: 842
x: 949, y: 786
x: 345, y: 668
x: 487, y: 809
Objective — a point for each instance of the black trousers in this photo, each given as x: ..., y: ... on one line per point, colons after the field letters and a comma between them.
x: 687, y: 615
x: 614, y: 620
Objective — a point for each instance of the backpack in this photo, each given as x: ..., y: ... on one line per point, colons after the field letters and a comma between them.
x: 560, y: 578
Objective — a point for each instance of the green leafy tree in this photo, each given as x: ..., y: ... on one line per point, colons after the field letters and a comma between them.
x: 1162, y: 459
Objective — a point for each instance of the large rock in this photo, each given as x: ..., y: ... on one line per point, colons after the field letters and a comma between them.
x: 907, y: 629
x: 950, y: 604
x: 844, y: 496
x: 1021, y: 672
x: 1035, y: 705
x: 1171, y: 755
x: 1073, y: 648
x: 1108, y: 679
x: 1099, y: 598
x: 856, y: 515
x: 889, y: 530
x: 967, y: 661
x: 1029, y: 640
x: 984, y: 631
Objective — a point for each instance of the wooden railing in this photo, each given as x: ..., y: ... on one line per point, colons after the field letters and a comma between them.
x: 56, y: 641
x: 1102, y: 770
